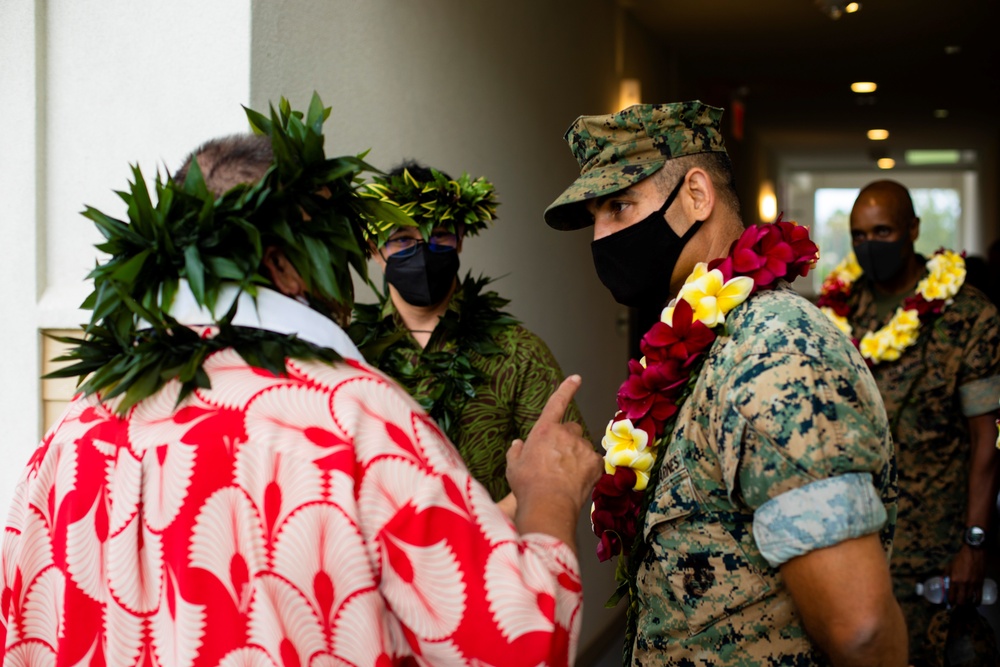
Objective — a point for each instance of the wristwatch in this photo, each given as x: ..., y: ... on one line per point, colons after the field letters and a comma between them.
x: 975, y: 537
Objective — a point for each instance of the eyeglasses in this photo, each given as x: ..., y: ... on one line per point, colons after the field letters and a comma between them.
x: 405, y: 246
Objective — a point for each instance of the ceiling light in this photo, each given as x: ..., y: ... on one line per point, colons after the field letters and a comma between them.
x: 863, y: 87
x: 940, y: 113
x: 878, y: 135
x: 852, y: 7
x: 767, y: 202
x: 952, y: 49
x: 886, y: 163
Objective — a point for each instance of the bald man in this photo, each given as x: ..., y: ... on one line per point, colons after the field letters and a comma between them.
x: 941, y: 396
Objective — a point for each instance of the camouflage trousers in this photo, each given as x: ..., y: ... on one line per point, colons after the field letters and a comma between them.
x: 942, y: 636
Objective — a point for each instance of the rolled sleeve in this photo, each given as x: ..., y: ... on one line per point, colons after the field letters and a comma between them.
x: 817, y: 515
x: 980, y: 397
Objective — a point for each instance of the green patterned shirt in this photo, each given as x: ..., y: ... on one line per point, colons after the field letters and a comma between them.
x: 782, y: 448
x: 518, y: 383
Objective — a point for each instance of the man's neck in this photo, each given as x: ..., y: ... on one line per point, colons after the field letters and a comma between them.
x: 719, y: 235
x: 905, y: 280
x: 420, y: 320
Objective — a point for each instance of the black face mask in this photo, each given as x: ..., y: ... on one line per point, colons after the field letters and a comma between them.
x: 636, y: 263
x: 881, y: 260
x: 423, y: 278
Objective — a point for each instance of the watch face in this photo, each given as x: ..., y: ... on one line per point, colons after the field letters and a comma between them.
x: 975, y: 536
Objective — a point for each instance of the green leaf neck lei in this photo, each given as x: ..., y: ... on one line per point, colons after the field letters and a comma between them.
x: 442, y: 376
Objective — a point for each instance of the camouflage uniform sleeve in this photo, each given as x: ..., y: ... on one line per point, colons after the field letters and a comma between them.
x: 979, y: 373
x: 538, y: 375
x: 813, y: 438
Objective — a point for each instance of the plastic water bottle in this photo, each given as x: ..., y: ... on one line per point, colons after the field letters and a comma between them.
x: 935, y: 590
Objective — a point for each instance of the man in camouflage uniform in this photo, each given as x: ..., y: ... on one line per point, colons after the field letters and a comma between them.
x: 768, y: 531
x: 941, y: 397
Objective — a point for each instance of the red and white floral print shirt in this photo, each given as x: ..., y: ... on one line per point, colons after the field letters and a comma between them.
x: 319, y: 519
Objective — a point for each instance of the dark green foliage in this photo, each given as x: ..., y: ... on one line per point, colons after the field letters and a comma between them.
x: 437, y: 203
x: 441, y: 377
x: 306, y: 204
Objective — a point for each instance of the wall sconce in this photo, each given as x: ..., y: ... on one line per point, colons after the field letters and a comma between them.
x: 767, y: 202
x: 629, y: 93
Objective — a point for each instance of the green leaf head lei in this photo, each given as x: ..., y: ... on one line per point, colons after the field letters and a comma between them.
x: 306, y: 204
x: 437, y: 201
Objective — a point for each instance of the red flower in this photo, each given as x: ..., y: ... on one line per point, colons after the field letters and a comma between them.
x: 776, y: 254
x: 834, y: 295
x: 923, y: 307
x: 616, y: 512
x: 768, y: 253
x: 682, y: 340
x: 742, y: 259
x: 804, y: 251
x: 651, y: 390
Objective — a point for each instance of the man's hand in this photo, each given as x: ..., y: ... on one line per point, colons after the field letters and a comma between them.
x: 553, y: 472
x: 965, y: 576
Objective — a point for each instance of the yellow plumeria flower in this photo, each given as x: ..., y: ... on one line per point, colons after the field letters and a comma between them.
x: 667, y: 314
x: 700, y: 269
x: 848, y: 270
x: 900, y: 338
x: 873, y: 346
x: 628, y: 446
x: 906, y: 320
x: 711, y: 299
x: 946, y: 273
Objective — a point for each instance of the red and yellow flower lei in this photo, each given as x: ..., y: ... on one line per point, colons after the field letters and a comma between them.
x: 945, y: 276
x: 675, y: 349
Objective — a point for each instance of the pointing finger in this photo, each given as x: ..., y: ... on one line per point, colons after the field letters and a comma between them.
x: 556, y: 406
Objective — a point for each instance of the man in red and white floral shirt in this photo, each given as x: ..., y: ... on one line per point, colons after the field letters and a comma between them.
x: 222, y: 513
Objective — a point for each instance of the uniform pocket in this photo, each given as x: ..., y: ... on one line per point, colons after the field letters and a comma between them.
x: 704, y: 567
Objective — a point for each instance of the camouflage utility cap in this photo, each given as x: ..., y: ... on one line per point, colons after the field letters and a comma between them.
x: 621, y: 149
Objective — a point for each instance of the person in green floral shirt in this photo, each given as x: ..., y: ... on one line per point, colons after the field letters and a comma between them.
x: 940, y: 383
x: 481, y: 375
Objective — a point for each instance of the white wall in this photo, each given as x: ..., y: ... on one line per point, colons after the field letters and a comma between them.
x: 486, y: 87
x: 87, y: 88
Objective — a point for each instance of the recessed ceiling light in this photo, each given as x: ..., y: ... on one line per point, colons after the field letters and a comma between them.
x: 852, y: 7
x: 940, y: 113
x: 863, y: 86
x: 886, y: 163
x: 878, y: 135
